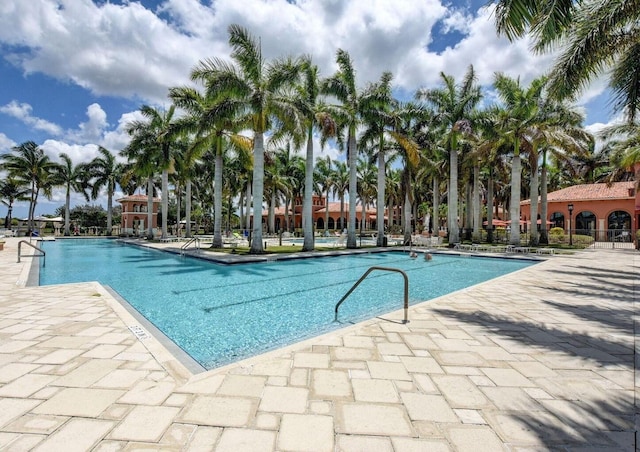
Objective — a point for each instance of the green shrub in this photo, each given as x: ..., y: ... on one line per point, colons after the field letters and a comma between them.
x: 556, y: 231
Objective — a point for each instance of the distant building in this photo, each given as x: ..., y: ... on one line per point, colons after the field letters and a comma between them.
x: 597, y: 209
x: 134, y: 214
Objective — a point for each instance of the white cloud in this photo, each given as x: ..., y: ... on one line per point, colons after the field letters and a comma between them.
x: 22, y: 111
x: 6, y: 143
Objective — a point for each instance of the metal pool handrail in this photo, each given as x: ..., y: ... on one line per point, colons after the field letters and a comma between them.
x: 388, y: 269
x: 34, y: 247
x: 194, y: 240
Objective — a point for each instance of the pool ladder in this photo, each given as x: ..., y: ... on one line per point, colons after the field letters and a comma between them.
x: 34, y: 247
x: 195, y: 241
x: 387, y: 269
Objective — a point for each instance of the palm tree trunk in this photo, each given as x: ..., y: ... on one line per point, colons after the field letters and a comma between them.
x: 435, y: 218
x: 187, y: 208
x: 490, y: 207
x: 178, y: 193
x: 67, y: 204
x: 247, y: 210
x: 380, y: 198
x: 534, y: 239
x: 110, y: 190
x: 150, y: 208
x: 272, y: 212
x: 326, y: 211
x: 477, y: 212
x: 452, y: 202
x: 165, y: 201
x: 407, y: 218
x: 514, y: 207
x: 341, y: 212
x: 258, y: 191
x: 307, y: 211
x: 544, y: 237
x: 217, y: 200
x: 351, y: 228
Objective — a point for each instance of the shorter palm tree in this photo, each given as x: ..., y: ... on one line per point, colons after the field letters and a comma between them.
x: 72, y: 178
x: 11, y: 191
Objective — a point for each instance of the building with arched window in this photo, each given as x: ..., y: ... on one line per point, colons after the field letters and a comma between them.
x: 134, y: 214
x: 605, y: 212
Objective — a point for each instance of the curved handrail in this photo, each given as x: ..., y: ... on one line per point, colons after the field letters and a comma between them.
x: 35, y: 248
x: 388, y: 269
x: 194, y: 240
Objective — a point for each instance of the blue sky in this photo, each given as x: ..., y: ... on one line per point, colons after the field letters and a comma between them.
x: 74, y: 72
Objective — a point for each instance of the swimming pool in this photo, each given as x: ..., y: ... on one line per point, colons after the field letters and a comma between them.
x: 219, y: 314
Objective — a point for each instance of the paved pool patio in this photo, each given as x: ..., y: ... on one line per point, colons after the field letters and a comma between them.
x: 542, y: 359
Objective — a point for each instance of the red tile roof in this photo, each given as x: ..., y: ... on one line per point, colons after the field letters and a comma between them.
x: 591, y: 192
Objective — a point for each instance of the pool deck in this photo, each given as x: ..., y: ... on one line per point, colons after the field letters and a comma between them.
x: 541, y: 359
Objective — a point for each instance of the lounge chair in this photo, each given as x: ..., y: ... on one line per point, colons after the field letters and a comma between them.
x: 341, y: 240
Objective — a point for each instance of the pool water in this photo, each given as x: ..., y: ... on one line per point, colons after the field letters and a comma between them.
x: 219, y: 314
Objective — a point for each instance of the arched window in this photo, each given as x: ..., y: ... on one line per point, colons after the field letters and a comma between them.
x: 557, y: 218
x: 619, y: 220
x: 331, y: 224
x: 585, y: 223
x: 320, y: 223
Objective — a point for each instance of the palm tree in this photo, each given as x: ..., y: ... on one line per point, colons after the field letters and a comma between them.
x: 105, y: 172
x: 348, y: 114
x: 257, y: 87
x: 10, y: 191
x: 156, y: 137
x: 453, y: 107
x: 72, y: 178
x: 315, y: 117
x: 341, y: 181
x: 595, y: 37
x: 366, y: 188
x: 30, y: 166
x: 623, y: 142
x: 324, y: 174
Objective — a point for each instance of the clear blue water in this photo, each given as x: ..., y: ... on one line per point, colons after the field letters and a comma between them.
x: 223, y: 313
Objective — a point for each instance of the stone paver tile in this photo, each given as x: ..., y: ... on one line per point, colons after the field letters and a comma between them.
x: 311, y: 360
x: 204, y: 439
x: 145, y: 423
x: 61, y: 356
x: 419, y: 445
x: 532, y: 369
x: 306, y: 433
x: 350, y: 443
x: 470, y: 416
x: 374, y: 391
x: 460, y: 392
x: 272, y: 367
x: 88, y: 373
x: 32, y: 423
x: 477, y: 439
x: 425, y: 383
x: 493, y: 353
x: 449, y: 358
x: 104, y: 351
x: 424, y: 407
x: 532, y: 429
x: 76, y: 435
x: 121, y: 378
x: 148, y: 393
x: 242, y: 385
x: 79, y: 402
x: 22, y: 442
x: 267, y: 421
x: 13, y: 408
x: 331, y: 384
x: 26, y: 385
x: 388, y: 371
x: 284, y: 400
x: 373, y: 419
x: 234, y: 440
x: 208, y: 384
x: 219, y: 411
x: 511, y: 399
x: 388, y: 348
x: 418, y: 341
x: 110, y: 446
x: 421, y: 365
x: 15, y: 346
x: 507, y: 377
x: 352, y: 354
x: 11, y: 371
x: 299, y: 377
x: 358, y: 341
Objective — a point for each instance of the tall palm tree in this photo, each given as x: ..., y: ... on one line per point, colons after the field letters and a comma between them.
x: 367, y: 186
x: 156, y: 137
x: 348, y: 114
x: 454, y: 107
x: 324, y: 174
x: 595, y: 37
x: 341, y: 182
x: 11, y: 191
x: 257, y: 87
x: 30, y: 166
x: 105, y: 172
x: 315, y: 117
x: 72, y: 178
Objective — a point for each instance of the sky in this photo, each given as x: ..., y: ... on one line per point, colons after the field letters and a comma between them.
x: 74, y: 72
